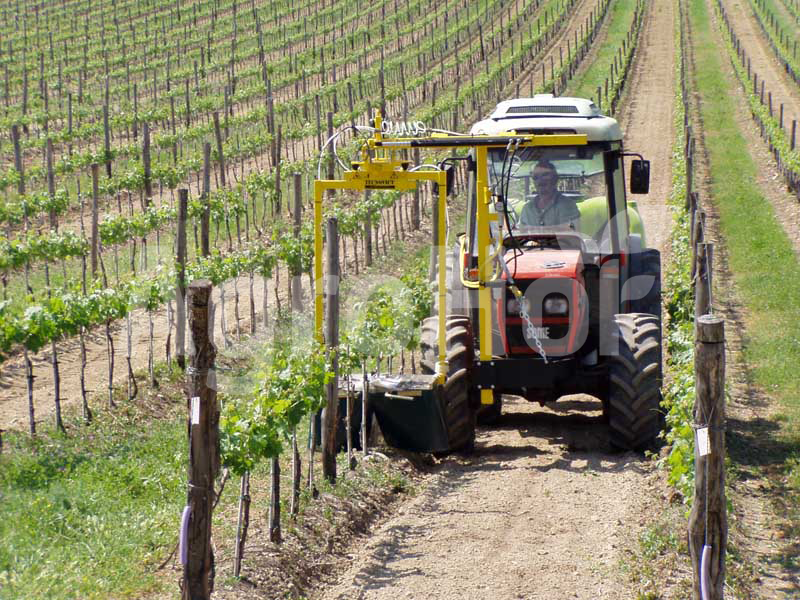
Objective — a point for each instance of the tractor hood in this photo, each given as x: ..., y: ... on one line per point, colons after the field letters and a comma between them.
x: 537, y: 264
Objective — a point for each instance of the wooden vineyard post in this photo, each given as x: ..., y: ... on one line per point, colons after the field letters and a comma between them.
x: 18, y: 165
x: 702, y: 290
x: 368, y: 231
x: 434, y: 238
x: 220, y: 157
x: 297, y: 472
x: 95, y: 216
x: 148, y: 178
x: 364, y: 406
x: 106, y: 141
x: 205, y: 242
x: 708, y: 521
x: 296, y: 287
x: 275, y: 501
x: 203, y: 424
x: 415, y: 208
x: 278, y: 170
x: 243, y: 524
x: 331, y: 157
x: 330, y: 414
x: 180, y: 301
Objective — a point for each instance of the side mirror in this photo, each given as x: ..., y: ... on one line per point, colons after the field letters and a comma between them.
x: 451, y: 177
x: 640, y: 176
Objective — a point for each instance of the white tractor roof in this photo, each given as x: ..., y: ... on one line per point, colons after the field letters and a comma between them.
x: 547, y: 113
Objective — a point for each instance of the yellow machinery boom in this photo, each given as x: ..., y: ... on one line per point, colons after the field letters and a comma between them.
x: 382, y: 167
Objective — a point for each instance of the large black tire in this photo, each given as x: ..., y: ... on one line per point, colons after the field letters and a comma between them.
x: 459, y: 409
x: 633, y: 408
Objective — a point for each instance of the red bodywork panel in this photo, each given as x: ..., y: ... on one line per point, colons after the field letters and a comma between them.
x: 542, y: 264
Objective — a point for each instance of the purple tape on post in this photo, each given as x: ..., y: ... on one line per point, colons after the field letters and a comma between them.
x: 184, y: 542
x: 705, y: 575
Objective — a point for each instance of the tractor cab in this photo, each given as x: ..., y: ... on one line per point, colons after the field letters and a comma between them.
x: 576, y: 185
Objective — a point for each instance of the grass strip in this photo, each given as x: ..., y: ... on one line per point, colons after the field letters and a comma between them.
x: 90, y: 515
x: 761, y: 254
x: 779, y: 140
x: 620, y: 22
x: 774, y: 32
x: 784, y: 21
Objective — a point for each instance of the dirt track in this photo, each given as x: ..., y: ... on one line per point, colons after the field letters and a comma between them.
x: 542, y: 509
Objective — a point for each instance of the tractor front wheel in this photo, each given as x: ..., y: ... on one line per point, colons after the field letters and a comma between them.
x: 458, y: 409
x: 633, y: 409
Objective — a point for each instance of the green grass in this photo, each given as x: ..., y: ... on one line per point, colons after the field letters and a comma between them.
x: 585, y: 84
x: 761, y: 255
x: 655, y: 555
x: 90, y: 515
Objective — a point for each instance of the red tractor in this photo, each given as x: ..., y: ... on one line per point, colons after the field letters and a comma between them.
x: 551, y: 289
x: 555, y: 254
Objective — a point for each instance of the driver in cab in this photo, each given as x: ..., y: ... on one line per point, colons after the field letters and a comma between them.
x: 548, y: 206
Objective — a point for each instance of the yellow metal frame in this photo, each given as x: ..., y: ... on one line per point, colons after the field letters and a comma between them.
x: 382, y: 167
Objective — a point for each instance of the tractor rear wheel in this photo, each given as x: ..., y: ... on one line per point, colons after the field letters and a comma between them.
x: 458, y: 409
x: 633, y: 408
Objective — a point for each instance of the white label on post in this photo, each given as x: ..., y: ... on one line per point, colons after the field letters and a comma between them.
x: 703, y: 443
x: 195, y: 410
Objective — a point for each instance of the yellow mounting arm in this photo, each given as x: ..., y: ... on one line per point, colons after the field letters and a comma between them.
x: 382, y: 167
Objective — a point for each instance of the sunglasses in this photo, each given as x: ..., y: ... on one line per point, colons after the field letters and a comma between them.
x: 545, y: 177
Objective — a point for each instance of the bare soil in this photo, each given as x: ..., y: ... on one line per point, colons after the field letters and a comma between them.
x: 540, y: 510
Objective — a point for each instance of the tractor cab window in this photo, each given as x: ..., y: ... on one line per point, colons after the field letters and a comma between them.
x: 553, y: 187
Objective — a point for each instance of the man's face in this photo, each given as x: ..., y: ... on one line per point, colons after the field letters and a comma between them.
x: 545, y: 180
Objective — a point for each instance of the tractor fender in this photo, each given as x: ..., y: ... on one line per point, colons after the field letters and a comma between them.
x: 645, y: 265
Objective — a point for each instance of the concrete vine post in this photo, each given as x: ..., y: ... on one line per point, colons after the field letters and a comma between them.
x: 708, y: 521
x: 203, y: 434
